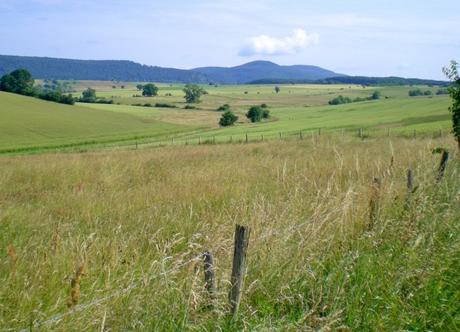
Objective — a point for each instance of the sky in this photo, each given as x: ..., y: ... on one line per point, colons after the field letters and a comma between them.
x: 409, y: 38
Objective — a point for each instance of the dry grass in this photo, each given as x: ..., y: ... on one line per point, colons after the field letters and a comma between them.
x: 140, y: 220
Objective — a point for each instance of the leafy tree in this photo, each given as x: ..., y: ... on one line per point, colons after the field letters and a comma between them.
x: 257, y: 113
x: 149, y: 90
x: 140, y: 87
x: 454, y: 91
x: 376, y: 95
x: 19, y: 81
x: 228, y: 119
x: 277, y: 89
x: 193, y: 93
x: 88, y: 96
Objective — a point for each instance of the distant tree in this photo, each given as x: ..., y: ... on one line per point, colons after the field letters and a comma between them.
x: 277, y: 89
x: 19, y: 81
x: 122, y: 86
x: 228, y: 119
x: 340, y: 100
x: 442, y: 92
x: 376, y: 95
x: 415, y: 93
x: 454, y: 91
x: 88, y: 96
x: 428, y: 93
x: 140, y: 87
x: 257, y: 113
x: 149, y: 90
x: 193, y: 93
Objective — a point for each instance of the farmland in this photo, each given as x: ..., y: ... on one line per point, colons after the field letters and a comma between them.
x: 107, y: 232
x: 135, y: 223
x: 33, y: 125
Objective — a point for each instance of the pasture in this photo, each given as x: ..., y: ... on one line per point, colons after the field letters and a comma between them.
x: 113, y: 240
x: 34, y: 126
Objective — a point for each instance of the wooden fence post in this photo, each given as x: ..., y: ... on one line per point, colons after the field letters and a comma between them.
x: 319, y: 131
x: 300, y: 135
x: 280, y: 135
x: 209, y: 275
x: 199, y: 140
x: 374, y: 203
x: 410, y: 189
x: 231, y: 138
x: 246, y: 137
x: 443, y: 164
x: 239, y: 268
x: 136, y: 145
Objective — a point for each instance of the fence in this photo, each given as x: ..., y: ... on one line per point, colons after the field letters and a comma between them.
x: 240, y: 248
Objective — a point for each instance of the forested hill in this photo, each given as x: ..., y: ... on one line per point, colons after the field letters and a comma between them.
x: 256, y: 72
x: 121, y: 70
x: 105, y: 70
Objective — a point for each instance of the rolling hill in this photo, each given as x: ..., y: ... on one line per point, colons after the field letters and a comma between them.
x: 258, y: 70
x: 122, y: 70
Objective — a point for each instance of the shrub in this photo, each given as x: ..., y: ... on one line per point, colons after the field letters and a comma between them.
x: 189, y: 107
x: 165, y: 105
x: 228, y: 119
x: 376, y: 95
x: 224, y: 108
x: 257, y: 113
x: 19, y: 81
x: 442, y: 92
x: 415, y: 93
x: 340, y: 100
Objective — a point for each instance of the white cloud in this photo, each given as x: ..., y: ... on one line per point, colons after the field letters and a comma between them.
x: 267, y: 45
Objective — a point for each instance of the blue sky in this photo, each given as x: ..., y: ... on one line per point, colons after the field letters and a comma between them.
x: 380, y: 38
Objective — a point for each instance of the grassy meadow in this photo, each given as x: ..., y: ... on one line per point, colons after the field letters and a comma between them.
x: 112, y: 241
x: 109, y: 235
x: 32, y: 125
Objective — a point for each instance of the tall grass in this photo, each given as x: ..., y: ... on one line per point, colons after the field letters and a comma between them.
x: 131, y: 226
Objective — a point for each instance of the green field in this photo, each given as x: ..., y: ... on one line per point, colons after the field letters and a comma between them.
x: 110, y: 236
x: 33, y: 125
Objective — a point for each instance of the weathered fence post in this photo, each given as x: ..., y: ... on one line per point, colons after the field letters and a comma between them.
x: 239, y: 267
x: 262, y: 137
x: 443, y: 164
x: 300, y: 135
x: 199, y: 140
x: 280, y: 135
x: 231, y: 139
x: 360, y: 133
x: 415, y: 133
x: 210, y: 275
x: 136, y: 145
x: 410, y: 189
x: 246, y: 137
x: 214, y: 140
x: 374, y: 203
x: 319, y: 131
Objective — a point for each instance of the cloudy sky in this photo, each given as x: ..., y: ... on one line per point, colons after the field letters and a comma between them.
x: 410, y: 38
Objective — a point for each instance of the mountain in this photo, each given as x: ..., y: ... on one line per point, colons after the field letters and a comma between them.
x: 258, y: 70
x: 122, y: 70
x: 104, y: 70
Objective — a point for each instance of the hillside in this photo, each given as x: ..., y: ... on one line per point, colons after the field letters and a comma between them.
x: 121, y: 70
x: 29, y: 123
x: 104, y: 70
x: 258, y: 70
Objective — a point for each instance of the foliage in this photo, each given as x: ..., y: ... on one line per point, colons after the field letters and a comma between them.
x: 19, y: 81
x: 139, y: 87
x: 165, y: 105
x: 149, y: 90
x: 57, y: 96
x: 340, y: 100
x: 454, y: 91
x: 419, y: 92
x: 376, y: 95
x: 88, y: 96
x: 193, y: 93
x: 257, y: 113
x: 441, y: 92
x: 227, y: 119
x: 224, y: 108
x: 277, y: 89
